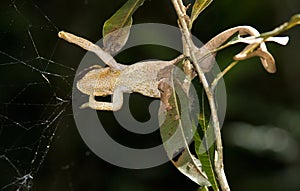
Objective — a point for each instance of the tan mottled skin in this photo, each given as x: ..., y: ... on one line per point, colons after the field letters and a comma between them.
x: 142, y: 77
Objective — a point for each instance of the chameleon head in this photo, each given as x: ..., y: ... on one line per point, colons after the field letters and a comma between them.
x: 98, y: 82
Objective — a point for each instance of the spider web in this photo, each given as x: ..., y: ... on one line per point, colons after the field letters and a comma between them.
x: 36, y: 76
x: 35, y: 92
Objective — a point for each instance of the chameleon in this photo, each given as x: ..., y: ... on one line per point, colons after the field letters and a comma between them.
x: 142, y: 77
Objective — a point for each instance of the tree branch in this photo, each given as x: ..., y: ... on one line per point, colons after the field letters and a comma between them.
x: 219, y: 166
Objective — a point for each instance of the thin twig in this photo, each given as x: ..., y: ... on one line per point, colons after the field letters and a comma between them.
x: 219, y: 166
x: 221, y: 74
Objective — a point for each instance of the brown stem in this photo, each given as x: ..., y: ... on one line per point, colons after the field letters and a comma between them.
x: 219, y: 167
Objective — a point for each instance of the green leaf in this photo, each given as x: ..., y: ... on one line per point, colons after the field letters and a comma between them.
x: 117, y: 28
x: 206, y: 156
x: 177, y: 129
x: 198, y: 7
x: 295, y: 20
x: 204, y: 141
x: 203, y: 189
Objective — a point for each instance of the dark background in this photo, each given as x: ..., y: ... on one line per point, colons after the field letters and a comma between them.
x: 261, y: 130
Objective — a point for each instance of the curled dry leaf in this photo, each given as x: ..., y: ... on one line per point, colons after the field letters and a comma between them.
x: 262, y: 52
x: 256, y: 47
x: 266, y: 58
x: 206, y: 54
